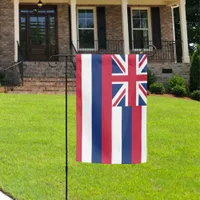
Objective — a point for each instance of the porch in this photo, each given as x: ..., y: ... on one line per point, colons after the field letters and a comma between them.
x: 99, y: 27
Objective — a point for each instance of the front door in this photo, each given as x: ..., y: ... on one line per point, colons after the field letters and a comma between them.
x: 38, y: 33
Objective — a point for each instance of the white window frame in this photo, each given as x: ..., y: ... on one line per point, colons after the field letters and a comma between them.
x: 149, y: 25
x: 95, y: 28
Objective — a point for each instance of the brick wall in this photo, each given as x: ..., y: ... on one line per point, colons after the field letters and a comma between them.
x: 63, y: 29
x: 6, y: 33
x: 166, y: 23
x: 114, y: 23
x: 180, y: 69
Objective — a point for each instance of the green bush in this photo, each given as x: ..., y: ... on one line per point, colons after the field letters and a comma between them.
x: 179, y: 91
x: 157, y: 88
x: 151, y: 78
x: 176, y: 81
x: 196, y: 95
x: 195, y: 70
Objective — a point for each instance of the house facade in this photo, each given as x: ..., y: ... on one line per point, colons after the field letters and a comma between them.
x: 92, y: 26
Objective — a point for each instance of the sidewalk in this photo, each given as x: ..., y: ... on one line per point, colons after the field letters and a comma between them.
x: 4, y: 197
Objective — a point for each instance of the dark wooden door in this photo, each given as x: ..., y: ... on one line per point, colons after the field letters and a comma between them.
x: 38, y: 38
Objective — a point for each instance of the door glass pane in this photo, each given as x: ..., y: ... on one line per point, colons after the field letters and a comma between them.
x: 23, y: 28
x: 52, y: 31
x: 86, y: 39
x: 38, y: 30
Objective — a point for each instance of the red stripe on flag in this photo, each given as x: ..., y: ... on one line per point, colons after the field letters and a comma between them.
x: 106, y: 109
x: 78, y: 108
x: 136, y: 134
x: 136, y: 111
x: 120, y: 97
x: 143, y: 90
x: 119, y: 63
x: 126, y: 78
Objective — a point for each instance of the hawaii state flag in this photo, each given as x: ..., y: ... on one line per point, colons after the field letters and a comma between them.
x: 111, y: 100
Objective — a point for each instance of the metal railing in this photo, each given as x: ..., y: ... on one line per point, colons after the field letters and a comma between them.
x: 166, y: 52
x: 110, y: 47
x: 13, y: 76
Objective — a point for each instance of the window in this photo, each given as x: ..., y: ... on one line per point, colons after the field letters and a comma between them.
x: 86, y: 28
x: 141, y: 28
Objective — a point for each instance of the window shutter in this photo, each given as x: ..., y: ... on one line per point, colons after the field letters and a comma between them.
x: 129, y: 28
x: 156, y: 27
x: 69, y: 18
x: 101, y: 24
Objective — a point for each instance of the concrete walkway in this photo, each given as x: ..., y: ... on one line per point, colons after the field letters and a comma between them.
x: 4, y: 197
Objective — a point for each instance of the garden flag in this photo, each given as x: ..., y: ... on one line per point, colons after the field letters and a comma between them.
x: 111, y: 100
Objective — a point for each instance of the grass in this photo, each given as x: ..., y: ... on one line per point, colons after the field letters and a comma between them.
x: 172, y: 171
x: 33, y: 153
x: 33, y: 146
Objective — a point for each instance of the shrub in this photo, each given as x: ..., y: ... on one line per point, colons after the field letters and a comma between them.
x: 157, y: 88
x: 196, y: 95
x: 151, y: 78
x: 176, y: 81
x: 195, y: 70
x: 179, y: 91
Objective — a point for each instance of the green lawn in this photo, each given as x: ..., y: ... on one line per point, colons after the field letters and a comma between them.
x: 33, y: 146
x: 33, y: 153
x: 173, y: 168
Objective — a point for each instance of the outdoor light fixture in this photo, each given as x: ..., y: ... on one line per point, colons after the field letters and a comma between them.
x: 40, y: 4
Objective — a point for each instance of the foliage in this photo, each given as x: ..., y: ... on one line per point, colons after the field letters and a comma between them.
x: 174, y: 81
x: 151, y: 78
x: 193, y: 26
x: 195, y: 71
x: 196, y: 95
x: 157, y: 88
x: 179, y: 91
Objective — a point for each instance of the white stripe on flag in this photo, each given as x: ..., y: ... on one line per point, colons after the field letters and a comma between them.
x: 86, y: 108
x: 116, y: 135
x: 144, y: 136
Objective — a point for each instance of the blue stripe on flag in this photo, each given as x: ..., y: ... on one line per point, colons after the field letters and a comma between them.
x: 126, y: 135
x: 96, y: 108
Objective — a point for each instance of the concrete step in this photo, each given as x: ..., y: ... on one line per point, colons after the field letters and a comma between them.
x: 46, y: 85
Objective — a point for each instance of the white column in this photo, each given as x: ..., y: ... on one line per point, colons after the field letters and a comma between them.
x: 184, y: 36
x: 16, y: 28
x: 73, y: 23
x: 125, y: 26
x: 174, y: 38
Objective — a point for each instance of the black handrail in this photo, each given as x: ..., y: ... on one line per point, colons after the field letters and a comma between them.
x: 21, y: 66
x: 12, y: 67
x: 9, y: 80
